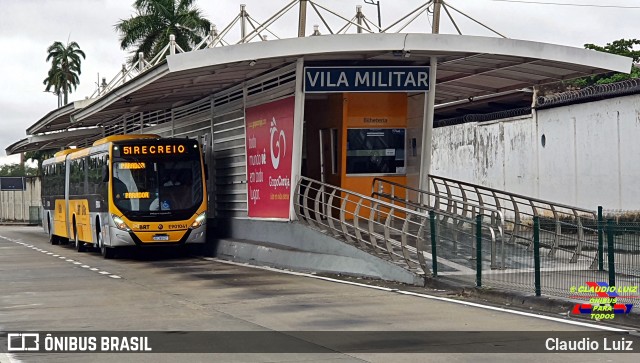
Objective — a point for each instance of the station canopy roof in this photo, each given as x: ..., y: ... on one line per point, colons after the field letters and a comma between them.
x: 468, y: 67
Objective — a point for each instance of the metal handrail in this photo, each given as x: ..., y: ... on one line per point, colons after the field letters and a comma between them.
x: 402, y: 236
x: 515, y: 195
x: 461, y: 198
x: 521, y: 210
x: 420, y: 203
x: 496, y: 216
x: 460, y: 223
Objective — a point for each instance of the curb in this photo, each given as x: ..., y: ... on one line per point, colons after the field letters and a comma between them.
x: 547, y: 305
x: 529, y: 302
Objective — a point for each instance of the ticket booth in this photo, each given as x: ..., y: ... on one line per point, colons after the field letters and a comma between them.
x: 351, y: 138
x: 356, y: 124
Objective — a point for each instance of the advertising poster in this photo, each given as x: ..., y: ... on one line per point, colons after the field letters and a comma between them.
x: 269, y: 142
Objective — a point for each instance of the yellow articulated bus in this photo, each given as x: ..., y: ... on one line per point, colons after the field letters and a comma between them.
x: 126, y: 190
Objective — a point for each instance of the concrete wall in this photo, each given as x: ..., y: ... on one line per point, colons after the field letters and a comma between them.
x: 293, y: 245
x: 14, y: 204
x: 590, y: 157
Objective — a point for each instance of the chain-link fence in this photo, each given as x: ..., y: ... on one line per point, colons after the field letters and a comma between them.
x: 546, y: 264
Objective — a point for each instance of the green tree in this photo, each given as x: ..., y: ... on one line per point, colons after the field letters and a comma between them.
x: 65, y: 68
x: 17, y: 170
x: 148, y: 31
x: 39, y: 156
x: 624, y: 47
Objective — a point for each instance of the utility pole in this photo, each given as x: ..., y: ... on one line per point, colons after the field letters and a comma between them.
x: 377, y: 3
x: 429, y: 107
x: 302, y: 19
x: 243, y: 23
x: 437, y: 4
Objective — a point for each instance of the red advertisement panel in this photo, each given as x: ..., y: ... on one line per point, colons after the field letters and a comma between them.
x: 269, y: 142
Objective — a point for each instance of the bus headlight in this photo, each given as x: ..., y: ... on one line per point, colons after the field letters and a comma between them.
x: 120, y: 223
x: 200, y: 220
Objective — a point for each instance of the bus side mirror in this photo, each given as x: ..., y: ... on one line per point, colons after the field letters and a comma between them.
x: 105, y: 174
x: 206, y: 172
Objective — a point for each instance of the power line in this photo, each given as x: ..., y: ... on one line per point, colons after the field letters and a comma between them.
x: 569, y: 4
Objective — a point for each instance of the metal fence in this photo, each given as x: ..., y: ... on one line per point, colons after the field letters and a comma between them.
x: 547, y: 248
x: 565, y: 227
x: 425, y: 234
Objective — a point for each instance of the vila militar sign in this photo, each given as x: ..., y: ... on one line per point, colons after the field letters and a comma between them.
x: 366, y: 79
x: 269, y: 135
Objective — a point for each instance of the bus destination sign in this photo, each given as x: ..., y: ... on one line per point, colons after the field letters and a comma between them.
x: 154, y: 150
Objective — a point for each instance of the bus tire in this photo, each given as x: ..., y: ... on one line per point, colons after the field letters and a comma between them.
x: 99, y: 239
x: 53, y: 239
x: 107, y: 252
x: 78, y: 244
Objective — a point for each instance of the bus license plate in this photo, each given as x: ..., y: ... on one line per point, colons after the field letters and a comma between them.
x: 161, y: 237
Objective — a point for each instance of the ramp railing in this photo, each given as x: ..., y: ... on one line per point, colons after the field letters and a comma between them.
x: 392, y: 231
x: 448, y: 218
x: 559, y: 245
x: 563, y: 227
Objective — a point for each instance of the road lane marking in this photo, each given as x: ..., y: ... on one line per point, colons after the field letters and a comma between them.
x: 35, y: 248
x: 19, y: 306
x: 426, y: 296
x: 9, y: 358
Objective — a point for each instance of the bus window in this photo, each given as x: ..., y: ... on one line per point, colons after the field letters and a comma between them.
x: 155, y: 185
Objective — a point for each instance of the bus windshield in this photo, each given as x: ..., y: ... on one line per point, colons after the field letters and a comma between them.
x: 157, y: 184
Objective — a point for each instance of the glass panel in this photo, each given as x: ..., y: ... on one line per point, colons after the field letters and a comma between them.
x: 157, y: 185
x: 376, y: 151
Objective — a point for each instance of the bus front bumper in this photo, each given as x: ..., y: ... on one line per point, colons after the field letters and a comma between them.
x: 120, y: 238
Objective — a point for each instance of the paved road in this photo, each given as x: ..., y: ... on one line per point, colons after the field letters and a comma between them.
x: 54, y: 288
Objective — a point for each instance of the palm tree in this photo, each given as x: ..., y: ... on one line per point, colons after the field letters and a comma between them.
x: 65, y: 68
x: 148, y: 32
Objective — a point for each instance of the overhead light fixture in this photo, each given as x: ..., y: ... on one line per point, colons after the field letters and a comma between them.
x: 252, y: 63
x: 127, y: 100
x: 401, y: 53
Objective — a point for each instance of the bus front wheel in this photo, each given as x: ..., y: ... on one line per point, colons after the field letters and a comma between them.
x: 79, y: 245
x: 52, y: 238
x: 107, y: 252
